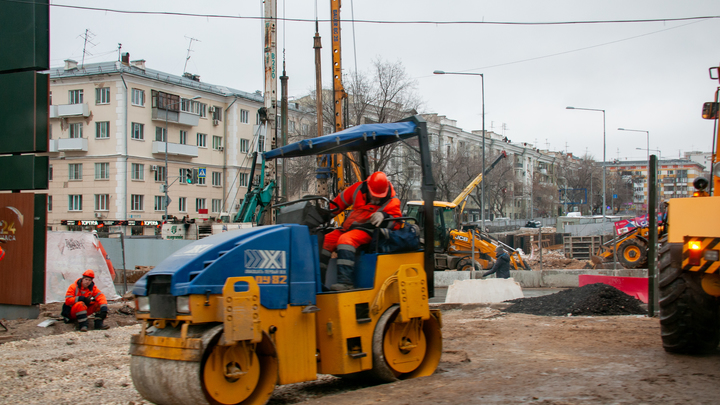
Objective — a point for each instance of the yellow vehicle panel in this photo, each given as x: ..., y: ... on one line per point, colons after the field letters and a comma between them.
x: 344, y: 335
x: 443, y: 204
x: 695, y: 217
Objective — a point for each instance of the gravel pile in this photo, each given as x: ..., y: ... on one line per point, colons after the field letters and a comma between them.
x: 589, y: 300
x: 72, y: 368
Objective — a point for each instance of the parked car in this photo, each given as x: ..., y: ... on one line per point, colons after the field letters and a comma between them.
x: 533, y: 224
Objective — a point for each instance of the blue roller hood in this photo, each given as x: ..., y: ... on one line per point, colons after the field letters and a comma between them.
x: 355, y: 139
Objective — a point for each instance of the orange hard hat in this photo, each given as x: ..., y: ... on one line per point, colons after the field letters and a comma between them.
x: 378, y: 184
x: 89, y: 273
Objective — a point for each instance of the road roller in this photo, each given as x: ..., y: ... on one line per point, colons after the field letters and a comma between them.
x: 227, y: 318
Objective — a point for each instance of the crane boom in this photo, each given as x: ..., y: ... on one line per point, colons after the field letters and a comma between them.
x: 462, y: 197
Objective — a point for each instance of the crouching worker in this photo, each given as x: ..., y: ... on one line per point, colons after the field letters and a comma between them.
x: 372, y: 200
x: 83, y: 299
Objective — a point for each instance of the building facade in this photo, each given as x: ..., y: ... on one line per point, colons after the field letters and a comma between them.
x: 119, y: 129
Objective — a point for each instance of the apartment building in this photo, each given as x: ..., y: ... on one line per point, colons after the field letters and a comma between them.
x: 675, y: 178
x: 119, y: 129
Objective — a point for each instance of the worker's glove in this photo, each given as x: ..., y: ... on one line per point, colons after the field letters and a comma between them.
x: 85, y: 300
x: 377, y: 218
x: 102, y: 314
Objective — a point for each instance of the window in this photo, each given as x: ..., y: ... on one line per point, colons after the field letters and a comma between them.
x: 159, y: 203
x: 160, y: 174
x: 217, y: 142
x: 138, y: 97
x: 244, y: 179
x: 182, y: 204
x: 202, y: 140
x: 305, y: 129
x: 75, y: 97
x: 216, y: 204
x: 217, y: 113
x: 190, y: 106
x: 136, y: 202
x: 201, y: 181
x: 138, y: 171
x: 216, y: 178
x: 200, y: 204
x: 102, y: 171
x: 244, y: 145
x: 257, y: 118
x: 138, y: 131
x: 305, y: 186
x: 203, y: 110
x: 102, y: 95
x: 74, y: 202
x: 261, y: 143
x: 160, y: 134
x: 102, y: 202
x: 183, y: 176
x: 76, y: 130
x: 49, y: 200
x: 244, y: 116
x: 291, y: 126
x: 50, y: 172
x: 165, y: 101
x: 183, y: 137
x: 102, y: 130
x: 75, y: 171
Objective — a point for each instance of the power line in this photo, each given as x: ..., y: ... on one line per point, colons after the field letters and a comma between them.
x: 423, y: 22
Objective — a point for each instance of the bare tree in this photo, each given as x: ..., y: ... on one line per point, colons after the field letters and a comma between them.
x: 499, y: 185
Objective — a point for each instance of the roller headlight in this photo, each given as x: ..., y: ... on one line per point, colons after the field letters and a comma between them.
x: 143, y: 304
x: 183, y: 304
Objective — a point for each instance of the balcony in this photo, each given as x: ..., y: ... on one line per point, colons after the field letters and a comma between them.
x: 176, y: 149
x: 68, y: 145
x: 176, y: 117
x: 69, y: 110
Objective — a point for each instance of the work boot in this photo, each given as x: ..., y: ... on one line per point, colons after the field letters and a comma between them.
x: 341, y: 287
x: 83, y: 326
x: 345, y: 266
x: 100, y: 325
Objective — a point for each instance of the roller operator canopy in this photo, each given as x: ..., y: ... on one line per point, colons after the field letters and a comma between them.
x: 356, y: 139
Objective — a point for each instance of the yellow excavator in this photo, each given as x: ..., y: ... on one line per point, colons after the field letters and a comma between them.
x: 455, y: 246
x: 631, y: 249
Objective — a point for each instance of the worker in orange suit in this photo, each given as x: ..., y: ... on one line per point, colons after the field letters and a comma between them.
x: 83, y: 299
x: 372, y: 200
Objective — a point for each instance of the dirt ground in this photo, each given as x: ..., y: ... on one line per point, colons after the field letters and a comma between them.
x: 489, y: 357
x: 555, y: 259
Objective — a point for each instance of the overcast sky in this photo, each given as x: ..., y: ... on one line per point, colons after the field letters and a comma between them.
x: 650, y: 76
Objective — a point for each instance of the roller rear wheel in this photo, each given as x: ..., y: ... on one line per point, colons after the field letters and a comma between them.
x: 403, y: 350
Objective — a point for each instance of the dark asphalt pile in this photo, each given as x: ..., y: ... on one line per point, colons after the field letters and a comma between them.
x: 589, y: 300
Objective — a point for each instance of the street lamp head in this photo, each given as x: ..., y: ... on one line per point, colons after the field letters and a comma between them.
x: 569, y: 108
x: 621, y: 129
x: 439, y: 72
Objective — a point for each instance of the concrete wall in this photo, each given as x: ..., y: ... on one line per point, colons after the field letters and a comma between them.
x: 141, y: 252
x: 538, y: 279
x: 608, y: 228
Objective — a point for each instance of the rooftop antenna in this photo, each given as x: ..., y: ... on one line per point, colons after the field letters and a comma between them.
x: 504, y: 128
x: 547, y: 144
x: 187, y: 58
x: 119, y: 52
x: 87, y: 37
x: 566, y: 146
x: 492, y: 124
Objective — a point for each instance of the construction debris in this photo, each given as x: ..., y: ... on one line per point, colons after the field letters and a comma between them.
x: 589, y: 300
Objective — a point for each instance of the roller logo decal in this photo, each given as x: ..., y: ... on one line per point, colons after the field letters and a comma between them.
x: 266, y: 260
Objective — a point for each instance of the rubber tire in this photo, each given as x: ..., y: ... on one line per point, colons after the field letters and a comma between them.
x: 466, y: 265
x: 689, y: 317
x: 382, y: 372
x: 640, y: 261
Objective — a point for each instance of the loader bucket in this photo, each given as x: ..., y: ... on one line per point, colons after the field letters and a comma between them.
x: 634, y: 286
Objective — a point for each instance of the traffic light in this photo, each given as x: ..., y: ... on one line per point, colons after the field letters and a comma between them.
x: 189, y: 176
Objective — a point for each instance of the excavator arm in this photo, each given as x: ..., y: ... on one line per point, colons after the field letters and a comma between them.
x: 462, y: 197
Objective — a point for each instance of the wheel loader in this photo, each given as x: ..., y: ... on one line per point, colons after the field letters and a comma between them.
x: 227, y: 318
x: 455, y: 246
x: 631, y: 247
x: 689, y: 261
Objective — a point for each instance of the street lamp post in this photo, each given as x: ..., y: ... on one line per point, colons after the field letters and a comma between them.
x: 564, y: 199
x: 166, y: 138
x: 604, y: 148
x: 482, y: 183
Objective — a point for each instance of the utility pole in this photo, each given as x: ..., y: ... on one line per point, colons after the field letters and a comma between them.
x: 270, y: 96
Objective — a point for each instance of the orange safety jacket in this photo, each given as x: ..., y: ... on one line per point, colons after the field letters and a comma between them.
x: 358, y: 196
x: 75, y: 291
